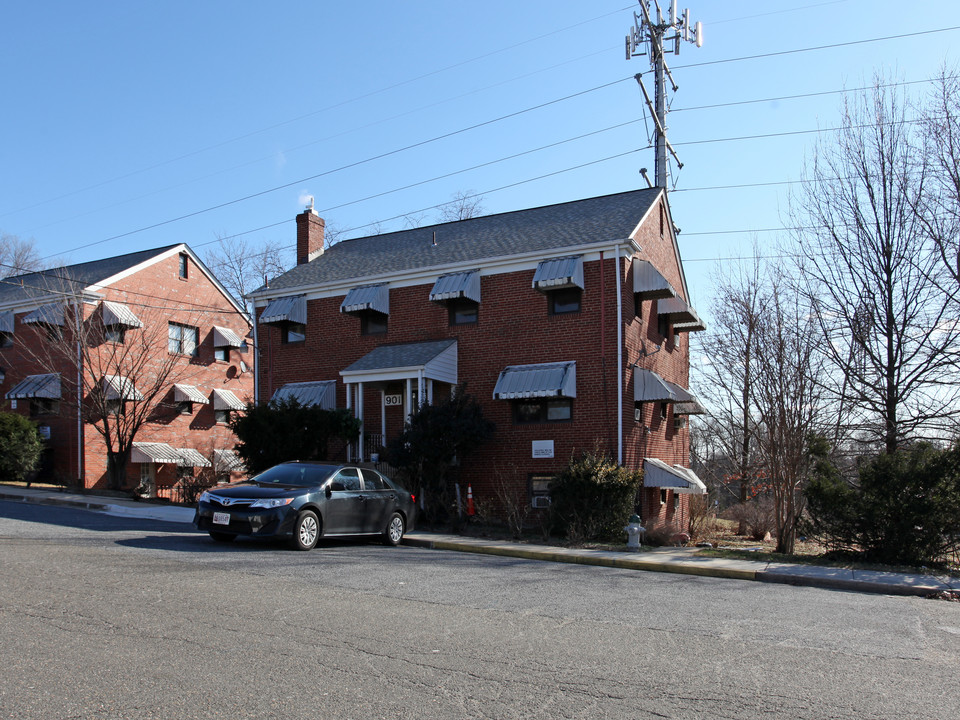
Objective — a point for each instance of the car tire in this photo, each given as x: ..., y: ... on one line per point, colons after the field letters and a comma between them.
x: 306, y: 531
x: 222, y: 537
x: 393, y: 532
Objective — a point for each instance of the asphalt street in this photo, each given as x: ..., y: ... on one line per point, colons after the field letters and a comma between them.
x: 110, y: 617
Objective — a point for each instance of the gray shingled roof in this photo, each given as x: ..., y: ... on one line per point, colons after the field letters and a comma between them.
x: 548, y: 229
x: 71, y: 278
x: 386, y: 357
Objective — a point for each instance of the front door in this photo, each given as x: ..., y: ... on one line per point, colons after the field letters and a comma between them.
x: 344, y: 509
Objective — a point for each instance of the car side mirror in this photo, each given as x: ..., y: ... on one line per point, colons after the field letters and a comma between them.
x: 337, y: 486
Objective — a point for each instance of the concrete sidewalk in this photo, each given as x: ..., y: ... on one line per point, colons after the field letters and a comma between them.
x: 673, y: 560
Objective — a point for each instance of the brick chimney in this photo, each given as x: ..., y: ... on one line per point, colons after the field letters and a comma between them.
x: 310, y: 228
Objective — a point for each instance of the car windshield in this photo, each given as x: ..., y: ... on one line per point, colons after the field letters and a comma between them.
x: 296, y: 474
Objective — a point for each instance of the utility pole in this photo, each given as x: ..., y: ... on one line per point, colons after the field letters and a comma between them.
x: 647, y: 37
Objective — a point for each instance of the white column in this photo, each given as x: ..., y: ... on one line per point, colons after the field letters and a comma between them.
x: 408, y: 401
x: 383, y: 416
x: 349, y: 387
x: 360, y: 418
x: 430, y: 392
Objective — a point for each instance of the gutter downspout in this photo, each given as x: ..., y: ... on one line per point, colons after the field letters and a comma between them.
x: 616, y: 268
x: 80, y: 438
x: 256, y: 353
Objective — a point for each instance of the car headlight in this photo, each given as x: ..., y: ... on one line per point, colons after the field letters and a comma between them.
x: 271, y: 502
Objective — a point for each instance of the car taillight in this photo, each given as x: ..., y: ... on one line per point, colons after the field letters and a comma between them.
x: 413, y: 498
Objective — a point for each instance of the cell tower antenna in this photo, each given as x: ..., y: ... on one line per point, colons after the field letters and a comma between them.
x: 647, y: 37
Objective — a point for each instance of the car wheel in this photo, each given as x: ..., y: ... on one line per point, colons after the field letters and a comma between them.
x: 222, y: 537
x: 306, y: 531
x: 393, y: 533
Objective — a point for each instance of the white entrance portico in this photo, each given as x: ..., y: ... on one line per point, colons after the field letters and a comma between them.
x: 413, y: 366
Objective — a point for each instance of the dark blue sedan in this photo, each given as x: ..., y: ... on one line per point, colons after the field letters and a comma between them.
x: 305, y: 501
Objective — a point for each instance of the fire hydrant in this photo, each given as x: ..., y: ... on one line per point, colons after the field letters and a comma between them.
x: 634, y: 530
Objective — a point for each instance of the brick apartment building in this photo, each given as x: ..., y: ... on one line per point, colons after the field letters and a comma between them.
x: 149, y: 337
x: 569, y: 323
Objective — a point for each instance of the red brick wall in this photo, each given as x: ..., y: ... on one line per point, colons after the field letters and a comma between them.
x: 156, y: 295
x: 515, y: 328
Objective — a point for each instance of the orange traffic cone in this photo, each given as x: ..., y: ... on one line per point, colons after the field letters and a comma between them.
x: 470, y: 508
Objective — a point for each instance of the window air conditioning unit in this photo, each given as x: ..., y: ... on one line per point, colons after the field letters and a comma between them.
x: 636, y: 414
x: 541, y: 502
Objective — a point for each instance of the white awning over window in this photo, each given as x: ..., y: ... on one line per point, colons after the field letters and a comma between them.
x: 657, y: 473
x: 144, y: 452
x: 188, y: 393
x: 650, y: 387
x: 457, y: 285
x: 119, y: 314
x: 36, y: 386
x: 322, y: 393
x: 686, y: 403
x: 227, y: 461
x: 117, y: 387
x: 367, y: 297
x: 558, y: 273
x: 225, y: 337
x: 191, y: 458
x: 292, y: 308
x: 226, y: 400
x: 51, y: 314
x: 649, y: 284
x: 537, y: 381
x: 6, y: 322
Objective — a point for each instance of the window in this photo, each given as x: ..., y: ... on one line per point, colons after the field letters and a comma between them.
x: 373, y: 323
x: 292, y: 332
x: 183, y: 339
x: 183, y: 266
x: 6, y: 339
x: 114, y: 333
x: 185, y: 407
x: 44, y: 406
x: 663, y: 496
x: 565, y: 300
x: 664, y: 413
x: 663, y: 326
x: 349, y: 478
x: 54, y: 333
x: 539, y: 490
x: 463, y: 311
x: 113, y: 407
x: 222, y: 417
x: 676, y: 501
x: 373, y: 481
x: 221, y: 354
x: 542, y: 411
x: 185, y: 473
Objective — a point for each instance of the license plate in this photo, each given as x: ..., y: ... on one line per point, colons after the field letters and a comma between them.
x: 221, y: 518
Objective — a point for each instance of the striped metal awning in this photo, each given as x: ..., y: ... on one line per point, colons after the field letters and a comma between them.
x: 649, y: 284
x: 682, y: 315
x: 650, y: 387
x: 225, y: 337
x: 322, y: 393
x: 36, y: 386
x: 226, y: 400
x: 191, y: 458
x: 146, y: 452
x: 558, y: 273
x: 119, y: 314
x: 545, y: 380
x: 6, y: 322
x: 686, y: 403
x: 367, y: 297
x: 51, y: 314
x: 454, y: 286
x: 658, y: 474
x: 292, y: 308
x: 188, y: 393
x: 227, y: 461
x: 117, y: 387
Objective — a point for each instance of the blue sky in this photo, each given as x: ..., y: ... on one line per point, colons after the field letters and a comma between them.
x: 128, y: 126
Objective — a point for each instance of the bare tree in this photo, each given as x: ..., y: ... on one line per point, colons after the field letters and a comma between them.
x: 242, y: 266
x: 788, y: 391
x: 116, y: 375
x: 729, y: 349
x: 869, y: 275
x: 939, y: 207
x: 464, y: 205
x: 18, y: 256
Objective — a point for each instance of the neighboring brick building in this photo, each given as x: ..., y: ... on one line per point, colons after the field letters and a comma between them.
x: 567, y: 322
x: 149, y: 338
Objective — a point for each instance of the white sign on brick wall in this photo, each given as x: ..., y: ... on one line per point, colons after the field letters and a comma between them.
x: 543, y: 448
x: 393, y: 400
